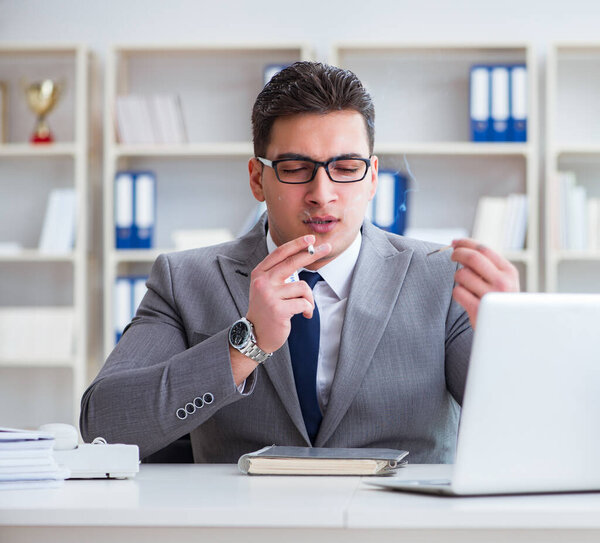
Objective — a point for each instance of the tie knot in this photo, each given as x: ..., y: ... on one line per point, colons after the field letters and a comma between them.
x: 310, y: 277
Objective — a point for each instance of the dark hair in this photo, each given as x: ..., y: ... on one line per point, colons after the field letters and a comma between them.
x: 309, y: 87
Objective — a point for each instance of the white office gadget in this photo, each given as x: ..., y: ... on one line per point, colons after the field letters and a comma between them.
x: 96, y: 460
x: 531, y: 408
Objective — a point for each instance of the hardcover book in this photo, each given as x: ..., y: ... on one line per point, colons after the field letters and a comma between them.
x: 278, y: 460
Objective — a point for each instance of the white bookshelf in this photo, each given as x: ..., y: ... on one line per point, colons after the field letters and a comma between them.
x: 35, y: 390
x: 421, y: 95
x: 572, y: 144
x: 200, y: 184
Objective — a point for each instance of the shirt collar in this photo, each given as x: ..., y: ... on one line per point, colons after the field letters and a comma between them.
x: 337, y: 273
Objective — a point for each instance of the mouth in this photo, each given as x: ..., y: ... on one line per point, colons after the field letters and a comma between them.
x: 321, y: 225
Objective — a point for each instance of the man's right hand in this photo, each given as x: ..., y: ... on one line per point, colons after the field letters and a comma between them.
x: 273, y: 302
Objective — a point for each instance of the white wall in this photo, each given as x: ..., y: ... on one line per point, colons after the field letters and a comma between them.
x: 318, y: 21
x: 98, y: 24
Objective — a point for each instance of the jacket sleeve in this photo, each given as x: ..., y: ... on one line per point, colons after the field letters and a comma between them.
x: 459, y: 338
x: 153, y: 375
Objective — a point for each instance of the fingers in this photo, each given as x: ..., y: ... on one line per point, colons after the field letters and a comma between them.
x: 499, y: 261
x: 488, y: 265
x: 467, y: 300
x: 483, y: 270
x: 476, y: 284
x: 290, y: 257
x: 297, y: 290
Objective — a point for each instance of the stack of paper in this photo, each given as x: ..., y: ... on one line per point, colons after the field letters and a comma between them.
x: 26, y: 460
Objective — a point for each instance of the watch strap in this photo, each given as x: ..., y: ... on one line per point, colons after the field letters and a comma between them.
x: 251, y: 349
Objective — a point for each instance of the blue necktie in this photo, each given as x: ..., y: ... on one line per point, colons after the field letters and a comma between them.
x: 303, y: 342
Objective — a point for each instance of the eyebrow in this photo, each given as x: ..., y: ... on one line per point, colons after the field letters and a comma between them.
x: 296, y: 156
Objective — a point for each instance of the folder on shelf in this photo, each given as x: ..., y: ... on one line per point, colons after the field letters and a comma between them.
x: 518, y: 102
x: 500, y: 81
x: 272, y: 69
x: 124, y: 236
x: 123, y: 301
x: 128, y: 294
x: 138, y: 286
x: 144, y: 215
x: 58, y: 230
x: 480, y: 103
x: 388, y: 208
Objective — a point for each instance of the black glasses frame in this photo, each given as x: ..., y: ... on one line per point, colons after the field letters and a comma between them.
x: 273, y: 164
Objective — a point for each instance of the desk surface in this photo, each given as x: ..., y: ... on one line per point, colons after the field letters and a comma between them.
x: 219, y: 496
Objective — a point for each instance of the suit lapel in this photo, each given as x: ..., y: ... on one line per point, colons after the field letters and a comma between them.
x: 236, y: 274
x: 378, y: 277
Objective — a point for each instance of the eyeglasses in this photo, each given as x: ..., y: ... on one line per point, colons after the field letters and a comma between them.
x: 339, y: 170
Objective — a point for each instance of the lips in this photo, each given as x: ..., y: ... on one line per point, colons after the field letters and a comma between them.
x: 321, y: 225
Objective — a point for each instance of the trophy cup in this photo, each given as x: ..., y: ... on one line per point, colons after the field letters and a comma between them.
x: 41, y: 99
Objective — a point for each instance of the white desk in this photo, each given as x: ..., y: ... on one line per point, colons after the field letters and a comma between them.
x: 216, y: 503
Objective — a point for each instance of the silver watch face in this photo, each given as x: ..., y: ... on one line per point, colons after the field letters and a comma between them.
x: 239, y: 334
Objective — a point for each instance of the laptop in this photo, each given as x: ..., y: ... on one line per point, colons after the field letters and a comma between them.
x: 530, y: 418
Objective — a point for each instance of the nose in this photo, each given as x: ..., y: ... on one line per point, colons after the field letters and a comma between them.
x: 321, y: 190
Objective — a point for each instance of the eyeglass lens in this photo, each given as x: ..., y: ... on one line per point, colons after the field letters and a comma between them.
x: 300, y: 171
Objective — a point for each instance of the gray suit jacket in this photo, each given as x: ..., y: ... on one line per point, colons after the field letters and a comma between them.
x: 399, y: 380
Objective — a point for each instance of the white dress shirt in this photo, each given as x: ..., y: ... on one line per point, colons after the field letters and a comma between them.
x: 331, y: 296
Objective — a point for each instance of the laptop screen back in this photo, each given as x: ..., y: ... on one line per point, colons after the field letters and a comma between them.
x: 531, y: 412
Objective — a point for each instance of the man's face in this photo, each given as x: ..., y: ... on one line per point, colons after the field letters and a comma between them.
x: 333, y: 212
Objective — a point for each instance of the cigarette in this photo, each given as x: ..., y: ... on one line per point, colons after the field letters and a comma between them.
x: 440, y: 250
x: 311, y: 249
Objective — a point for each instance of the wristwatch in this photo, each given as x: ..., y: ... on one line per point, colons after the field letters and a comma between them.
x: 241, y: 337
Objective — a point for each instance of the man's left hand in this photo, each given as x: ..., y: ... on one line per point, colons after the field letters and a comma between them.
x: 483, y: 271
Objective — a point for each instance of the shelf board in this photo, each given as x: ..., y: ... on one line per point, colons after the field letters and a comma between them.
x: 454, y: 148
x: 360, y: 46
x: 561, y: 256
x: 30, y: 150
x: 33, y: 255
x: 524, y: 256
x: 37, y: 363
x: 241, y: 149
x: 137, y: 255
x: 581, y: 149
x: 167, y: 48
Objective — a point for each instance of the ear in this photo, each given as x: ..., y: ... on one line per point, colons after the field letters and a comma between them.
x: 255, y: 169
x: 374, y: 179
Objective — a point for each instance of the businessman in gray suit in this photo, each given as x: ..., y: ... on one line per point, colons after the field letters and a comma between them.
x: 369, y: 349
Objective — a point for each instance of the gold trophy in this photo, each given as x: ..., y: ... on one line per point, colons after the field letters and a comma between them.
x: 41, y: 99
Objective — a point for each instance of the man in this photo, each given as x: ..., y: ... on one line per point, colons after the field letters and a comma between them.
x: 221, y: 346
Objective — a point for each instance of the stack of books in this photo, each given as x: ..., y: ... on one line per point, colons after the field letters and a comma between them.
x: 27, y: 461
x: 501, y: 222
x: 156, y: 119
x: 578, y: 224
